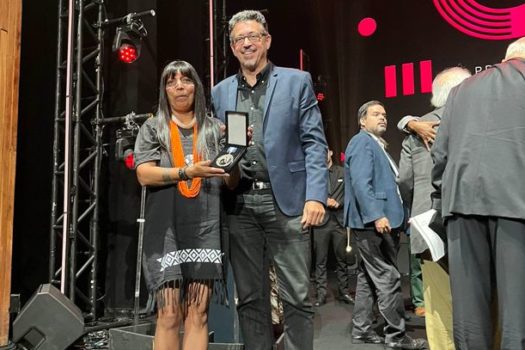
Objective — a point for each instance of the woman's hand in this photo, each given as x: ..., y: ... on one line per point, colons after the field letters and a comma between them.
x: 203, y: 169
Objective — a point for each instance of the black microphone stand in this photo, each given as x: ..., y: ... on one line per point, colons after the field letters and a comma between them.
x: 141, y: 220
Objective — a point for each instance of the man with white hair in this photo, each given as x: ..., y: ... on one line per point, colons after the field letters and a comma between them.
x: 415, y: 166
x: 479, y: 162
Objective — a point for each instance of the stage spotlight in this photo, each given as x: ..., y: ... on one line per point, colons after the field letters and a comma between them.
x: 124, y: 145
x: 128, y: 39
x: 129, y: 160
x: 127, y: 53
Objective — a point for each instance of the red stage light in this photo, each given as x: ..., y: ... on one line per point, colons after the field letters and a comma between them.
x: 128, y: 53
x: 129, y: 160
x: 127, y: 40
x: 320, y: 96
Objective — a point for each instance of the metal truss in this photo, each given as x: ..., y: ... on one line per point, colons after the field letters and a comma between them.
x: 217, y: 53
x: 77, y: 152
x: 222, y: 45
x: 222, y: 41
x: 78, y: 145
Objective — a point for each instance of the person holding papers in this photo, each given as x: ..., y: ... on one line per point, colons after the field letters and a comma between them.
x: 415, y: 166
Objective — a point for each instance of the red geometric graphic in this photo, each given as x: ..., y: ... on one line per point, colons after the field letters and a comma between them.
x: 483, y: 22
x: 408, y: 78
x: 390, y: 81
x: 425, y: 76
x: 407, y: 70
x: 367, y: 26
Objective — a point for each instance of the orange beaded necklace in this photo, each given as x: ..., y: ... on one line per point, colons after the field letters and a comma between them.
x: 178, y: 160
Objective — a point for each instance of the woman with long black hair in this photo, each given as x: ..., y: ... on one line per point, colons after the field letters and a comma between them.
x: 182, y: 241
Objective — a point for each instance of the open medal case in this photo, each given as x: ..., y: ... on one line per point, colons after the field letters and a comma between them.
x: 236, y: 141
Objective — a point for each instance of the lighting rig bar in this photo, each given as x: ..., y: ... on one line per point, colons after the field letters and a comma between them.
x: 78, y: 150
x: 77, y: 153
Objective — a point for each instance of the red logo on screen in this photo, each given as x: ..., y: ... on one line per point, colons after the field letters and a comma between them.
x: 483, y: 22
x: 407, y: 79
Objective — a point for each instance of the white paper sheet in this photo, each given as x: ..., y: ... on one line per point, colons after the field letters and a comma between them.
x: 423, y: 237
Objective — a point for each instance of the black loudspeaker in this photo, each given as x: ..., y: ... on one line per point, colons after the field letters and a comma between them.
x: 48, y: 321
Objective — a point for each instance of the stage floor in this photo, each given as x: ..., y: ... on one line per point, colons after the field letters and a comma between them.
x: 332, y: 321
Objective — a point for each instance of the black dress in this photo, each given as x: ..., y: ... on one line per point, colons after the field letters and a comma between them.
x: 182, y: 236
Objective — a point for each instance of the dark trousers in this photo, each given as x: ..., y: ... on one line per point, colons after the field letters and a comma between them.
x: 416, y: 281
x: 331, y: 231
x: 379, y: 277
x: 259, y: 232
x: 487, y: 263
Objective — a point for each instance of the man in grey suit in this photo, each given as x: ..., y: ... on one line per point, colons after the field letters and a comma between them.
x: 415, y: 166
x: 415, y: 163
x: 479, y: 162
x: 282, y: 189
x: 375, y: 213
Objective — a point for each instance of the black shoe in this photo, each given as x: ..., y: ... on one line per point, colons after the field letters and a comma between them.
x: 407, y: 343
x: 320, y: 301
x: 346, y: 298
x: 372, y: 338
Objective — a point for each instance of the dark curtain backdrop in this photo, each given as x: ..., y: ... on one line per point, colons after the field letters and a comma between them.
x: 407, y: 31
x: 351, y: 66
x: 34, y: 147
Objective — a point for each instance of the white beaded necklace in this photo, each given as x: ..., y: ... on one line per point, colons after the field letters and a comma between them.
x: 188, y: 125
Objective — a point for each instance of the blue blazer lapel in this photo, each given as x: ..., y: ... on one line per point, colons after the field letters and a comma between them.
x: 269, y: 92
x: 232, y: 94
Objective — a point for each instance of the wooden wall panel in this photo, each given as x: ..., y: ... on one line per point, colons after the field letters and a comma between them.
x: 10, y: 21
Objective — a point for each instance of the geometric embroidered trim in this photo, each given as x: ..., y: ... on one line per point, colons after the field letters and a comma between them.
x: 190, y: 255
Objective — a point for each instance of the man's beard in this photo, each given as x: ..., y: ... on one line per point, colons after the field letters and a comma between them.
x: 251, y: 65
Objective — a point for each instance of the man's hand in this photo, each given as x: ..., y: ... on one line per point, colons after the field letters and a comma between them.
x: 313, y: 214
x: 425, y: 130
x: 249, y: 131
x: 382, y: 225
x: 332, y: 203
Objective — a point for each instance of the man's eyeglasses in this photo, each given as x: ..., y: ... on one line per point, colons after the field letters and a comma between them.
x: 183, y: 81
x: 252, y: 37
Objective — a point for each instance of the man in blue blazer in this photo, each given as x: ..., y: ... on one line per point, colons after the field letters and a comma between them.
x: 374, y: 211
x: 282, y: 187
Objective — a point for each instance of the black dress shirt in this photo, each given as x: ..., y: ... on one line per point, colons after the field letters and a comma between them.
x: 251, y: 99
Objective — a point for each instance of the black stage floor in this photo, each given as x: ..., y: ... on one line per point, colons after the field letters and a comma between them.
x: 332, y: 324
x: 333, y: 319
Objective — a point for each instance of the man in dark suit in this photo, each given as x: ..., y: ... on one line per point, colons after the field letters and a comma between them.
x: 332, y: 229
x: 282, y: 189
x: 415, y: 166
x: 374, y: 211
x: 479, y: 162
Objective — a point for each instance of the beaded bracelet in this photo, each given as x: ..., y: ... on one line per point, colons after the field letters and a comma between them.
x: 182, y: 174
